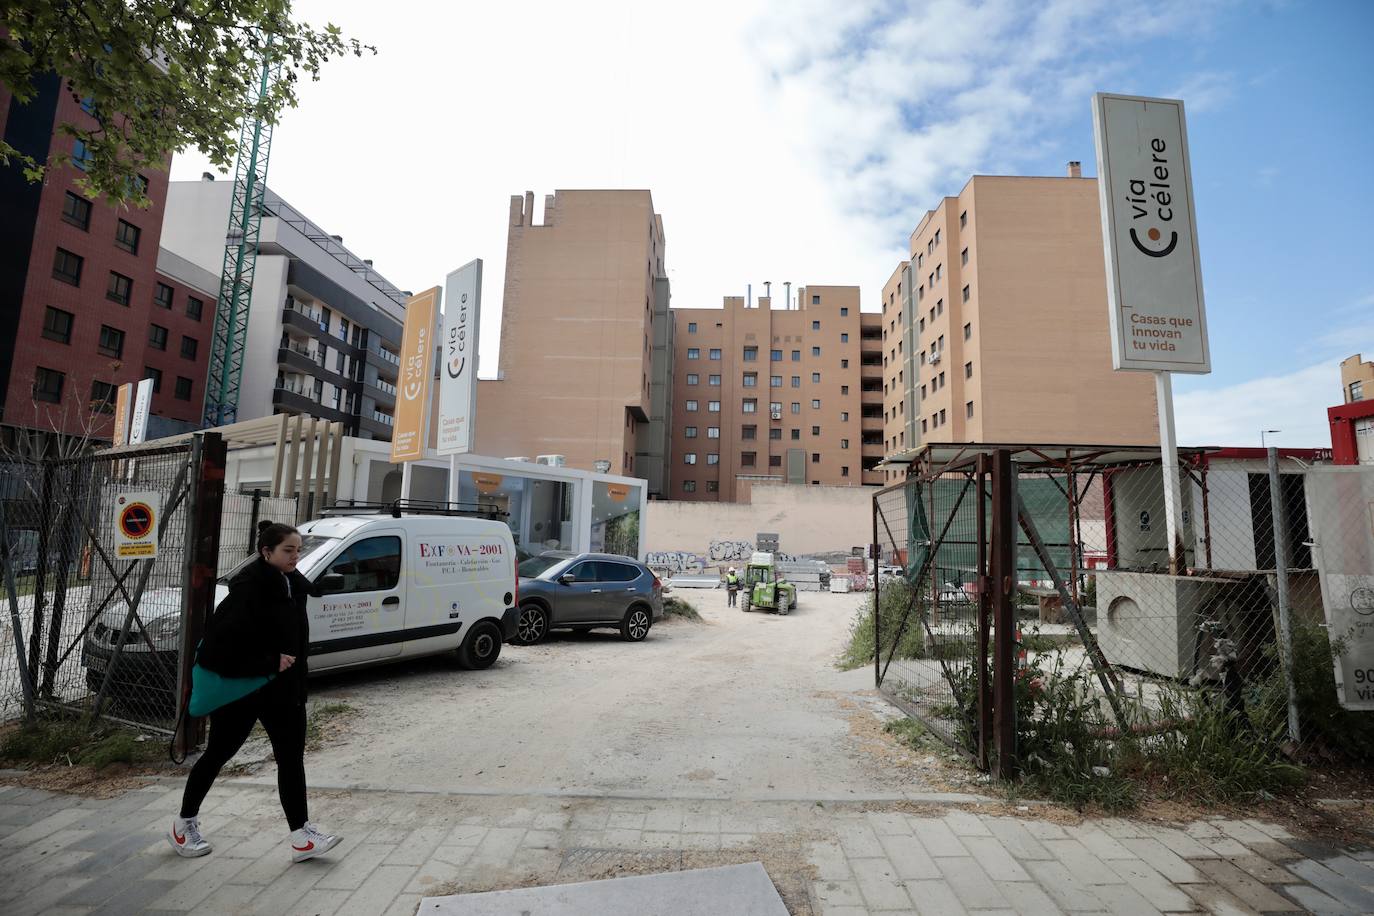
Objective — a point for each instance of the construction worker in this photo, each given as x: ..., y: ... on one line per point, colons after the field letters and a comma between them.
x: 731, y: 586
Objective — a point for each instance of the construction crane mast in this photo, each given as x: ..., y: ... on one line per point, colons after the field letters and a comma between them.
x: 240, y: 254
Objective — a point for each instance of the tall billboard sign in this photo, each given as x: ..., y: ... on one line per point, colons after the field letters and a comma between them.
x: 123, y: 396
x: 458, y: 359
x: 1149, y: 234
x: 417, y: 368
x: 143, y: 404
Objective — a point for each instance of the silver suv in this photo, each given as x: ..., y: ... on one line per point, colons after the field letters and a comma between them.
x: 587, y: 591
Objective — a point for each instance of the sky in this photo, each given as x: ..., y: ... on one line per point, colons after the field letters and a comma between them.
x: 804, y: 141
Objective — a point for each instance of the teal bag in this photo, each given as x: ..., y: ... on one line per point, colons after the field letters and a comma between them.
x: 210, y: 691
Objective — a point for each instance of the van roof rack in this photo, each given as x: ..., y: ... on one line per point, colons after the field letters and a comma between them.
x: 398, y: 507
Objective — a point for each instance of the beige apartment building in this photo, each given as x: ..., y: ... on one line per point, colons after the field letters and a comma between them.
x: 585, y: 369
x: 775, y: 393
x: 996, y: 330
x: 1357, y: 379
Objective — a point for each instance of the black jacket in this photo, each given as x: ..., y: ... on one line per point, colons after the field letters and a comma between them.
x: 256, y: 624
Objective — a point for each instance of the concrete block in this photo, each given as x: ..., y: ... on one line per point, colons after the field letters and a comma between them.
x: 1061, y: 884
x: 1016, y: 839
x: 1245, y: 888
x: 379, y: 890
x: 1087, y: 867
x: 966, y: 823
x: 994, y: 859
x: 880, y: 885
x: 937, y: 838
x: 859, y: 841
x: 1358, y: 898
x: 910, y: 858
x: 829, y: 861
x: 934, y: 898
x: 1150, y: 884
x: 1163, y: 860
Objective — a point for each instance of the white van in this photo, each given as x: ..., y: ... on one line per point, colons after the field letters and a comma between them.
x: 385, y: 587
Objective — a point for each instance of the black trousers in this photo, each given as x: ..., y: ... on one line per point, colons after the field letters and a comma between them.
x: 283, y: 717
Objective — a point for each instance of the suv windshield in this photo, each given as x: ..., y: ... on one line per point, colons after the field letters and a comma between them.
x: 536, y: 565
x: 313, y: 546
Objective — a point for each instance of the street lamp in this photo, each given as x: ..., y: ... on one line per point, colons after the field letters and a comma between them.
x: 1264, y: 431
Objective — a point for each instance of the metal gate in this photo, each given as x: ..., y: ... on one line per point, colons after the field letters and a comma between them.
x: 88, y: 631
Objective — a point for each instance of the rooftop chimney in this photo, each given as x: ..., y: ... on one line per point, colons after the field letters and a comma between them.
x: 1075, y: 169
x: 337, y: 238
x: 367, y: 261
x: 206, y: 176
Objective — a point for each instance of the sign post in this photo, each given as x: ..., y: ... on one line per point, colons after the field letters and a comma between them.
x: 1154, y: 273
x: 458, y: 372
x: 408, y: 434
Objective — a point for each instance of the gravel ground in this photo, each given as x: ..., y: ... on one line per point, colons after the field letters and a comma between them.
x: 739, y: 706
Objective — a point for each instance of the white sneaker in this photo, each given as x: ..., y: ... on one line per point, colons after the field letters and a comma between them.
x: 186, y: 839
x: 311, y: 841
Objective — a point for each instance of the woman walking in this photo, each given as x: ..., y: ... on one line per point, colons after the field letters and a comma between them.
x: 260, y: 629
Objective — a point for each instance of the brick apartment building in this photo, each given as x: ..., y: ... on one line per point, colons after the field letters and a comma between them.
x: 83, y: 305
x: 995, y: 331
x: 764, y: 393
x: 586, y: 340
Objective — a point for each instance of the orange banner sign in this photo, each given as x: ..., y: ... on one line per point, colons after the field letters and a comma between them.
x: 417, y: 368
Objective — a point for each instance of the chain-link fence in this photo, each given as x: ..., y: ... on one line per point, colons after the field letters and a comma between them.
x: 1247, y: 617
x: 240, y: 515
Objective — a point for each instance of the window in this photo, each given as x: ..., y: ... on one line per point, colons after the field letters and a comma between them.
x: 111, y: 341
x: 942, y: 418
x: 815, y: 351
x: 815, y: 459
x: 815, y: 299
x: 968, y: 409
x: 815, y: 430
x: 796, y: 435
x: 939, y: 306
x: 713, y: 406
x: 923, y: 425
x: 1356, y: 391
x: 920, y: 260
x: 713, y: 458
x: 713, y: 432
x: 775, y: 461
x: 844, y: 470
x: 77, y: 211
x: 81, y: 155
x: 690, y: 432
x: 103, y: 396
x: 796, y: 381
x: 715, y: 354
x: 775, y: 355
x: 920, y: 292
x: 844, y: 416
x: 775, y: 433
x: 796, y: 356
x: 844, y: 311
x: 693, y: 378
x: 815, y: 404
x: 157, y: 337
x: 120, y: 288
x: 775, y: 381
x: 815, y: 378
x: 937, y: 238
x: 751, y: 380
x: 749, y: 432
x: 966, y: 293
x: 183, y: 392
x: 712, y: 486
x: 748, y: 459
x: 751, y: 354
x: 815, y: 325
x: 155, y: 375
x: 126, y: 236
x: 963, y: 219
x: 751, y: 405
x: 67, y: 267
x: 189, y: 346
x: 689, y: 458
x: 844, y: 443
x: 714, y: 380
x: 693, y: 353
x: 968, y: 370
x: 939, y: 271
x: 844, y: 364
x: 194, y: 307
x: 844, y: 338
x: 775, y: 408
x: 844, y: 389
x: 968, y: 331
x: 691, y: 405
x: 963, y: 256
x: 162, y: 296
x: 691, y: 327
x: 57, y: 325
x: 796, y: 406
x: 922, y: 326
x: 689, y: 486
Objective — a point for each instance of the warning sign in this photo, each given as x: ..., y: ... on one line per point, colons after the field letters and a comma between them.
x: 135, y: 525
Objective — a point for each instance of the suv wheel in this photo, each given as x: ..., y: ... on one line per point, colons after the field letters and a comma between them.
x: 482, y: 647
x: 636, y: 624
x: 533, y: 625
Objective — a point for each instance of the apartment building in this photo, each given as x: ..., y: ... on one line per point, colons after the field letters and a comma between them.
x: 1352, y: 421
x: 1357, y: 379
x: 324, y: 327
x: 586, y: 341
x: 88, y: 303
x: 776, y: 393
x: 996, y: 329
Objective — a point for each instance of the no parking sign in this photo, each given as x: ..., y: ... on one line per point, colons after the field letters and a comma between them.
x: 135, y: 524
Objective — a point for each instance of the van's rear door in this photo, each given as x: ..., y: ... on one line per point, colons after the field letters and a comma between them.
x: 366, y: 620
x: 459, y: 574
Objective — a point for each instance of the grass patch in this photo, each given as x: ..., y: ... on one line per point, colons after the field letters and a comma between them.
x: 908, y: 732
x: 73, y: 741
x: 895, y: 596
x: 321, y: 719
x: 679, y: 607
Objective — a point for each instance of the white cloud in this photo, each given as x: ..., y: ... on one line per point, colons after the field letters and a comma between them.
x: 797, y: 141
x: 1206, y: 91
x: 1232, y: 416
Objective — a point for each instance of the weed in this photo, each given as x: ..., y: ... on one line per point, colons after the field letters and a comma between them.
x: 320, y: 715
x: 679, y: 607
x: 908, y: 731
x: 1324, y: 721
x: 73, y: 741
x: 895, y: 597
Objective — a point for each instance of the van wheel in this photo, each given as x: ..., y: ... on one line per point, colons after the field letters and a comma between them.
x: 482, y: 647
x: 636, y: 624
x: 533, y: 625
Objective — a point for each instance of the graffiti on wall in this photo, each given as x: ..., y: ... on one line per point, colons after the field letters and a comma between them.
x: 676, y: 561
x: 731, y: 550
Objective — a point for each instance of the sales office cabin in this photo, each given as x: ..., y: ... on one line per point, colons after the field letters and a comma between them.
x: 547, y: 507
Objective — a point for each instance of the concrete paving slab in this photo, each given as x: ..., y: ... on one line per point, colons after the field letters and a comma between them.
x: 700, y: 892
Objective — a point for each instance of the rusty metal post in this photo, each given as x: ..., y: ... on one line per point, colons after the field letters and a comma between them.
x: 205, y: 505
x: 877, y: 608
x: 1003, y: 562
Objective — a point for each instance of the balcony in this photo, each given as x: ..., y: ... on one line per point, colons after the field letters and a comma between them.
x: 368, y: 422
x: 296, y: 399
x: 383, y: 393
x: 387, y: 363
x: 303, y: 321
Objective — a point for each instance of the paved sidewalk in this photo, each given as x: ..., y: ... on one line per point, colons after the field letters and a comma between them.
x: 62, y: 855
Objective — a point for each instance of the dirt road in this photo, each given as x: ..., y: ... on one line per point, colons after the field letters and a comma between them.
x: 739, y: 706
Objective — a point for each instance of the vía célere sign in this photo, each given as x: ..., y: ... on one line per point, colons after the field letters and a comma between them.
x: 1149, y: 233
x: 417, y: 366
